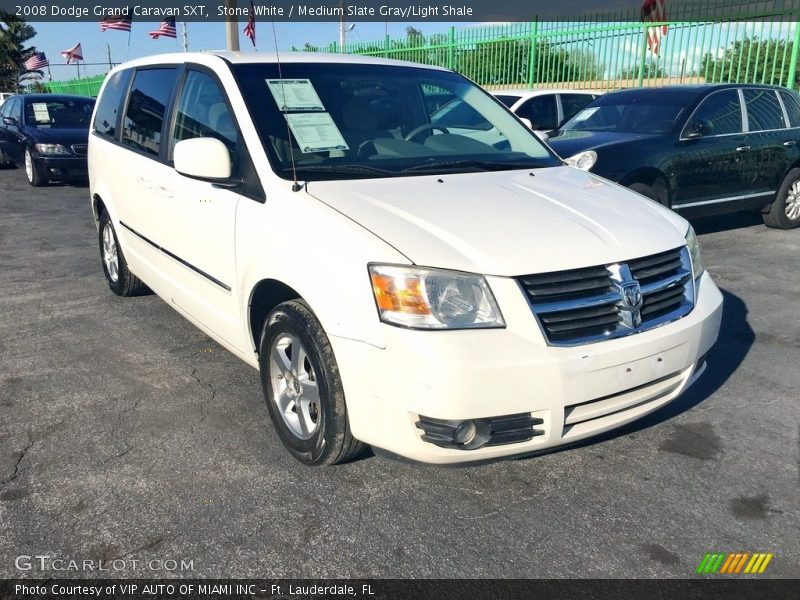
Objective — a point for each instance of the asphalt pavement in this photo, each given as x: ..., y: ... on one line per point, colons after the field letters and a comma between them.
x: 127, y: 435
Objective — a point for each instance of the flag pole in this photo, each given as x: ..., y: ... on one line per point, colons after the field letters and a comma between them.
x: 232, y: 26
x: 185, y: 37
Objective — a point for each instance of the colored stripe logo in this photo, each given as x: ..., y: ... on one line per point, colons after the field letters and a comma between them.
x: 734, y: 563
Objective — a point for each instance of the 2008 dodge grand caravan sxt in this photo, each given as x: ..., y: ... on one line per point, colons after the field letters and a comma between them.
x: 400, y: 257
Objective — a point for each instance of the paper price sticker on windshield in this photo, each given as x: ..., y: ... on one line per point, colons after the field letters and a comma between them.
x: 294, y: 94
x: 316, y: 132
x: 40, y: 112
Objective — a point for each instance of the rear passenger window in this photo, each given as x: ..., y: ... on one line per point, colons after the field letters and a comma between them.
x: 763, y: 110
x: 202, y: 112
x: 792, y: 108
x: 105, y: 118
x: 722, y: 111
x: 572, y: 104
x: 147, y: 105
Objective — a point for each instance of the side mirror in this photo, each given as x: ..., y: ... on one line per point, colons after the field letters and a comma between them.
x: 699, y: 128
x: 527, y: 122
x: 9, y: 121
x: 203, y: 158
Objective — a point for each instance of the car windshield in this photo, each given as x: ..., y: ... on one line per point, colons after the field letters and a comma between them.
x: 61, y: 113
x: 653, y: 111
x: 335, y: 121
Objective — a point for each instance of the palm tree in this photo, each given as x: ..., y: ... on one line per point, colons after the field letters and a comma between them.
x: 14, y: 33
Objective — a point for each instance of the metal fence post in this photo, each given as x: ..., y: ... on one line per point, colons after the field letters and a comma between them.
x: 451, y: 48
x: 532, y: 52
x: 793, y: 61
x: 644, y: 54
x: 387, y: 45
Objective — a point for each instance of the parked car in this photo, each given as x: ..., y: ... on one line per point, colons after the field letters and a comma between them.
x: 47, y: 134
x: 396, y: 284
x: 545, y: 110
x: 700, y: 149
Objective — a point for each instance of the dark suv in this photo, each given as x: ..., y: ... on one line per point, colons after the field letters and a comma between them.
x: 697, y: 149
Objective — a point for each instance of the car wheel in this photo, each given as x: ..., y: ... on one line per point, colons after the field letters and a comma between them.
x: 784, y: 212
x: 303, y: 389
x: 121, y: 281
x: 32, y: 171
x: 657, y: 191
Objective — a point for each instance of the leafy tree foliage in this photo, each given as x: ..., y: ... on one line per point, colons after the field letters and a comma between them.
x: 14, y: 34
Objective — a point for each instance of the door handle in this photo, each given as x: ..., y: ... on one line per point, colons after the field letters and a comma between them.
x: 162, y: 191
x: 790, y: 143
x: 742, y: 148
x: 145, y: 183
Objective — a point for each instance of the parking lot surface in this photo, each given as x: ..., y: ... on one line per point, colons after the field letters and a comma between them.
x: 127, y: 434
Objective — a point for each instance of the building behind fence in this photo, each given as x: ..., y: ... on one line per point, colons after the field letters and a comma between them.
x: 744, y: 41
x: 755, y: 41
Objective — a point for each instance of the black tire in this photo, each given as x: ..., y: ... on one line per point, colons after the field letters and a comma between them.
x: 36, y: 177
x: 777, y: 215
x: 124, y: 283
x: 657, y: 191
x: 329, y: 442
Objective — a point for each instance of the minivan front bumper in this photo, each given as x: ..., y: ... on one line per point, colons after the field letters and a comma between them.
x: 563, y: 394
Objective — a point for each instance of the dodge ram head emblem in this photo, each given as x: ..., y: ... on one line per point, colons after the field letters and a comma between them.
x: 631, y: 303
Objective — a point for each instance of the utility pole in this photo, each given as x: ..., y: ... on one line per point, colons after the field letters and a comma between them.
x: 185, y: 37
x: 341, y: 27
x: 110, y: 64
x: 231, y: 26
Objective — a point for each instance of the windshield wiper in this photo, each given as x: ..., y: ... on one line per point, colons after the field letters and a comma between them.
x: 355, y: 169
x: 486, y: 165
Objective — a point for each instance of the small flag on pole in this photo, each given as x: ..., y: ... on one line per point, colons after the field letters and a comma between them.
x: 117, y: 23
x: 167, y: 29
x: 654, y: 11
x: 75, y: 53
x: 36, y: 62
x: 250, y: 28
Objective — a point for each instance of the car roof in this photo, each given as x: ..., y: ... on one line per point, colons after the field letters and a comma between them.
x: 540, y: 92
x: 43, y: 97
x: 268, y: 58
x: 694, y: 89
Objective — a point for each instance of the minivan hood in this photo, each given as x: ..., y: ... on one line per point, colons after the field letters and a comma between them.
x: 507, y: 222
x: 570, y: 143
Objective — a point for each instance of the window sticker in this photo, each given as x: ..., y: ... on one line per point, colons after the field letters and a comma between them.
x: 40, y: 112
x: 586, y: 113
x: 316, y: 132
x: 295, y: 94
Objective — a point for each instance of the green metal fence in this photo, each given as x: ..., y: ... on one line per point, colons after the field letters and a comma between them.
x: 730, y: 40
x: 89, y: 86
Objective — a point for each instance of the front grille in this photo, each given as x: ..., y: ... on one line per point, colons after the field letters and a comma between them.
x: 596, y: 303
x: 79, y: 149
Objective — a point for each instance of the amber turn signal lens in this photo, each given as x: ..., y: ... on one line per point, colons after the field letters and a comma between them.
x: 399, y: 294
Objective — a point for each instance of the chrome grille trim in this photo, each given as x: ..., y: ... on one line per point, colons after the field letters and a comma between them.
x: 572, y: 311
x: 79, y: 149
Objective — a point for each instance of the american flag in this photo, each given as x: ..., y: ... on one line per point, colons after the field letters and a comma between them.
x: 74, y: 53
x: 167, y: 29
x: 36, y: 62
x: 250, y: 28
x: 654, y: 11
x: 118, y: 23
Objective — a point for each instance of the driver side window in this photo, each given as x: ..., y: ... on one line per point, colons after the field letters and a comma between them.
x: 722, y: 111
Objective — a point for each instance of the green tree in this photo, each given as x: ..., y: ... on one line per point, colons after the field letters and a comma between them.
x: 751, y: 60
x: 652, y: 70
x: 14, y: 34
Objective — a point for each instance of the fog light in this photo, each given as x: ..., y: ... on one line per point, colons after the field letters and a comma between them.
x: 465, y: 433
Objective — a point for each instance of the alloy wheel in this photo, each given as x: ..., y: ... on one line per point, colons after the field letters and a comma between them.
x: 294, y: 386
x: 793, y: 201
x: 110, y: 257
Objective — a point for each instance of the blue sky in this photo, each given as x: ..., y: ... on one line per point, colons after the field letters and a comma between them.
x: 53, y: 38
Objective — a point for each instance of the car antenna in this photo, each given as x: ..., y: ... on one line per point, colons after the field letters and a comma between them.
x: 296, y: 187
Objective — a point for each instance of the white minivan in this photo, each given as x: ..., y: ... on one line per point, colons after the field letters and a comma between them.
x: 396, y: 283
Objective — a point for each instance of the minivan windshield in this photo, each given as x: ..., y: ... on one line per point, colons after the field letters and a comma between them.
x: 650, y: 111
x: 353, y: 121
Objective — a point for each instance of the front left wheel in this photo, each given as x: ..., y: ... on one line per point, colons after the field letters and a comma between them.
x: 303, y: 388
x: 119, y: 278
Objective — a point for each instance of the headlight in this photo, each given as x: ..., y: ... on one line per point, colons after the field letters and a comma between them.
x: 694, y: 251
x: 433, y: 298
x: 584, y: 160
x: 51, y: 149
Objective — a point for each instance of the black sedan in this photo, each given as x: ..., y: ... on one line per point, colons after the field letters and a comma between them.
x: 46, y: 133
x: 697, y: 149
